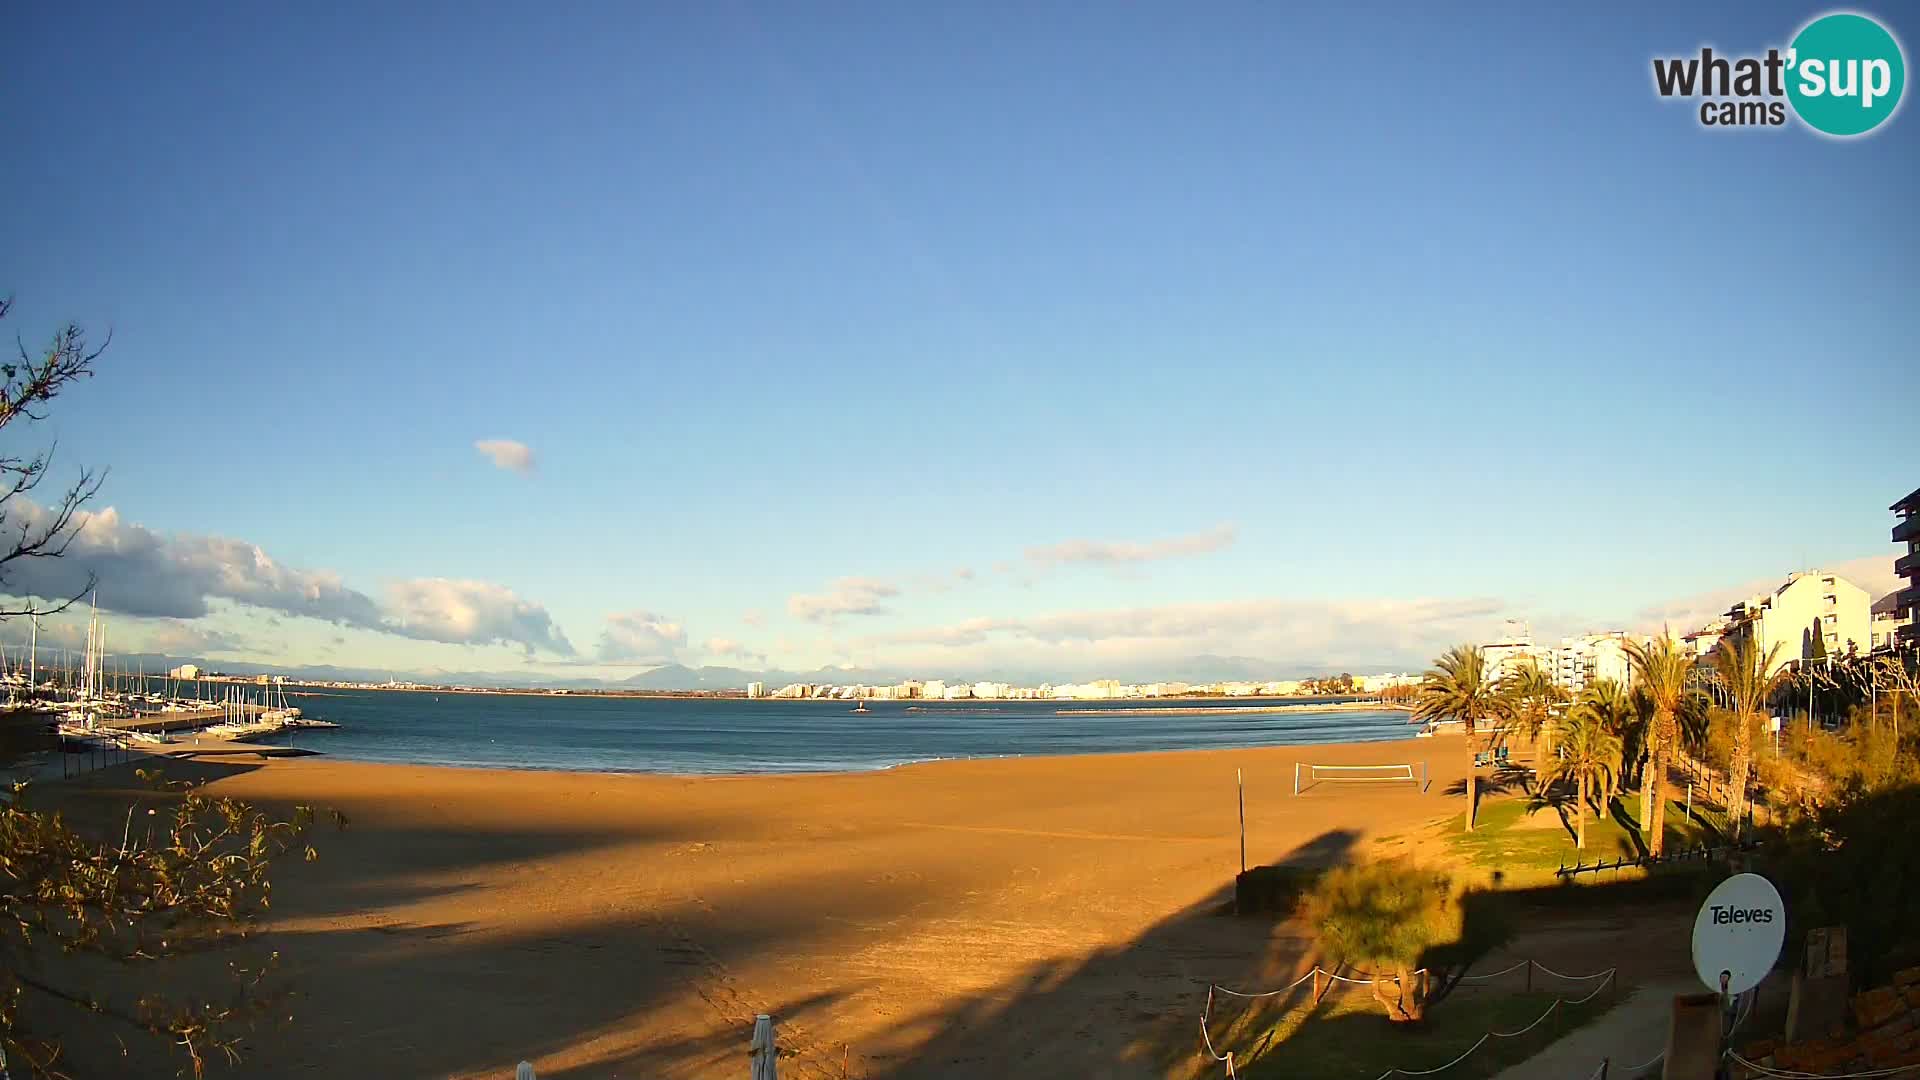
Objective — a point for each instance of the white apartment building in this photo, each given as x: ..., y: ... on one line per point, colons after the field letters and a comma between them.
x: 756, y: 690
x: 1514, y: 650
x: 1888, y: 618
x: 1702, y: 641
x: 1813, y: 612
x: 1581, y: 661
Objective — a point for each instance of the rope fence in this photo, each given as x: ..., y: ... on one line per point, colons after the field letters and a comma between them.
x: 1604, y: 979
x: 1791, y: 1074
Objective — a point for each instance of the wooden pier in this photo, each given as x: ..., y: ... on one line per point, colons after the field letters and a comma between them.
x: 163, y: 722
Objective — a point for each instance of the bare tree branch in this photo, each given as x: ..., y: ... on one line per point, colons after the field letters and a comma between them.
x: 27, y: 531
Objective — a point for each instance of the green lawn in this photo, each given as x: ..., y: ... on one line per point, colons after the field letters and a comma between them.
x: 1505, y: 838
x: 1349, y: 1036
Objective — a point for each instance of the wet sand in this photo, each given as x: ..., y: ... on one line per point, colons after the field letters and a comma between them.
x: 1011, y: 918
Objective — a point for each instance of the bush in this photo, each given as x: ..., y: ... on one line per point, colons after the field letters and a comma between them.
x: 1385, y: 917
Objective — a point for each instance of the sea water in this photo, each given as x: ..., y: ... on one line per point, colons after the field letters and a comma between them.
x: 721, y: 735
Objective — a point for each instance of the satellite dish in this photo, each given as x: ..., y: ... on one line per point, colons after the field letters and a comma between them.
x: 1738, y: 934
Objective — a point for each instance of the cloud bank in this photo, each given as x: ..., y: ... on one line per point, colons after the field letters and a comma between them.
x: 640, y: 637
x: 144, y: 573
x: 1874, y: 573
x: 1295, y: 635
x: 471, y: 613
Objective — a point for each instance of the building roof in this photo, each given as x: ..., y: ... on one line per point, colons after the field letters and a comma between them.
x: 1911, y: 502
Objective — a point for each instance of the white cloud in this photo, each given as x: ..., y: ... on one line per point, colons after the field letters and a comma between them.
x: 847, y: 596
x: 471, y: 613
x: 1107, y: 552
x: 754, y: 617
x: 507, y: 454
x: 142, y: 572
x: 641, y: 637
x: 145, y: 573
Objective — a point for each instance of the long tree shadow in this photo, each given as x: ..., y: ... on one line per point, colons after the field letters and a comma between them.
x: 1117, y: 1012
x: 397, y: 973
x: 1558, y: 798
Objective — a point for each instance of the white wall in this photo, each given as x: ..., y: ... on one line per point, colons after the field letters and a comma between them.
x: 1842, y: 608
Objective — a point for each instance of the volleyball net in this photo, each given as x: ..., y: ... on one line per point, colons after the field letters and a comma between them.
x: 1308, y: 775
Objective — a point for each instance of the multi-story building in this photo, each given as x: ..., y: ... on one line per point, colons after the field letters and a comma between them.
x: 1702, y: 641
x: 1908, y: 566
x: 1814, y: 614
x: 1582, y: 661
x: 756, y: 690
x: 1514, y: 650
x: 1888, y: 619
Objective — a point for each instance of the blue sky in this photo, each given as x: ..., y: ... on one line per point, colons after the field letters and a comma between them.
x: 1320, y: 336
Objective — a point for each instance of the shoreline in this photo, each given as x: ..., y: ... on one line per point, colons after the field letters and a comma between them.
x: 1214, y: 710
x: 740, y: 694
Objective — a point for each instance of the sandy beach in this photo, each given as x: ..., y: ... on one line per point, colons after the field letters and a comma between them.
x: 1027, y: 917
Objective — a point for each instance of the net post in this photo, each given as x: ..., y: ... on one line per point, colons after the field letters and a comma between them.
x: 1296, y: 778
x: 1240, y: 787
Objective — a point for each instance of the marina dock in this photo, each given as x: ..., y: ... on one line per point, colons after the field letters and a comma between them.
x: 186, y: 720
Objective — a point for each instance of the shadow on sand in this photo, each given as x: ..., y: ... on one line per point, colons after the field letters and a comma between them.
x: 453, y: 999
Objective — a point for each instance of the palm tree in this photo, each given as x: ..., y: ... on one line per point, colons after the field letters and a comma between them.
x: 1532, y: 695
x: 1458, y: 687
x: 1587, y: 755
x: 1664, y: 674
x: 1746, y: 680
x: 1607, y: 703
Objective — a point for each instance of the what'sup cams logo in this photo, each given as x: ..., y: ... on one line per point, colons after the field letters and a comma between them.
x: 1842, y: 76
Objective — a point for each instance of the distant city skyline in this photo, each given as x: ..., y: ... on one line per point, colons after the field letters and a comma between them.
x: 757, y: 338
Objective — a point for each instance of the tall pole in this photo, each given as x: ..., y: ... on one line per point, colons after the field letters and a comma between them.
x: 1239, y: 782
x: 33, y: 654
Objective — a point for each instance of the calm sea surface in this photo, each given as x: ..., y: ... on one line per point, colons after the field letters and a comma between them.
x: 736, y: 736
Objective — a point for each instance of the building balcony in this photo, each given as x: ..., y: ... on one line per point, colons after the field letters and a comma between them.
x: 1907, y: 565
x: 1907, y: 599
x: 1907, y: 530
